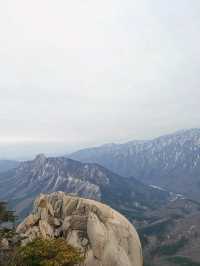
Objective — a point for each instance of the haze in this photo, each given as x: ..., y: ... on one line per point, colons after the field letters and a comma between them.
x: 80, y: 73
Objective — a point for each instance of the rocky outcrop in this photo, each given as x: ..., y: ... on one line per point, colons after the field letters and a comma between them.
x: 4, y: 244
x: 102, y: 234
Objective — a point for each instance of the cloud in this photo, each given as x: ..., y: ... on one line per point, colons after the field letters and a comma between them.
x: 89, y: 72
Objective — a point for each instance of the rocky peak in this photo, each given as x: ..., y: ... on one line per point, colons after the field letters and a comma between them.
x: 102, y: 234
x: 40, y: 159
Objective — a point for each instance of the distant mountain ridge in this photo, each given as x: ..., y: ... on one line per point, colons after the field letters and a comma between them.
x: 171, y: 161
x: 44, y: 175
x: 6, y: 165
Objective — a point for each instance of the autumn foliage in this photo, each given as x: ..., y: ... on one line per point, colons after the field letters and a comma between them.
x: 54, y: 252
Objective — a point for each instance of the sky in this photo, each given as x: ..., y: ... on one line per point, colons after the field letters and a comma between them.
x: 81, y: 73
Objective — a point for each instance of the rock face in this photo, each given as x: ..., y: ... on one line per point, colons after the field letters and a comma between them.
x: 4, y: 244
x: 103, y: 235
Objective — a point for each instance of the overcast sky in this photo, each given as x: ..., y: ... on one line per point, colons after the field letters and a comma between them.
x: 86, y: 72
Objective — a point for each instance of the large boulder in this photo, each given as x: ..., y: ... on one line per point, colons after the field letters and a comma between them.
x: 102, y: 234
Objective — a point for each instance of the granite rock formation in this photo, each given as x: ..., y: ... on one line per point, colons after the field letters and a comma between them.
x: 102, y: 234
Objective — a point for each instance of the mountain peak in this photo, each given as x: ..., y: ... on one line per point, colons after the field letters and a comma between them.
x: 44, y: 175
x: 40, y: 158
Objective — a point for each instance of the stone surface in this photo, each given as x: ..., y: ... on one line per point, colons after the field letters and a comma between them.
x: 4, y: 244
x: 103, y: 235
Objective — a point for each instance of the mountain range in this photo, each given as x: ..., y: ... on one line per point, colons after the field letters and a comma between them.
x: 6, y: 165
x: 171, y: 162
x: 155, y: 183
x: 44, y: 175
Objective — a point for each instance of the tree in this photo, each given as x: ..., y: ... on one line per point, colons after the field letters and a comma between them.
x: 6, y: 233
x: 5, y: 214
x: 54, y: 252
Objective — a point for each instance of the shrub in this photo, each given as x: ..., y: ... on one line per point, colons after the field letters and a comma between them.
x: 6, y: 217
x: 55, y: 252
x: 5, y: 214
